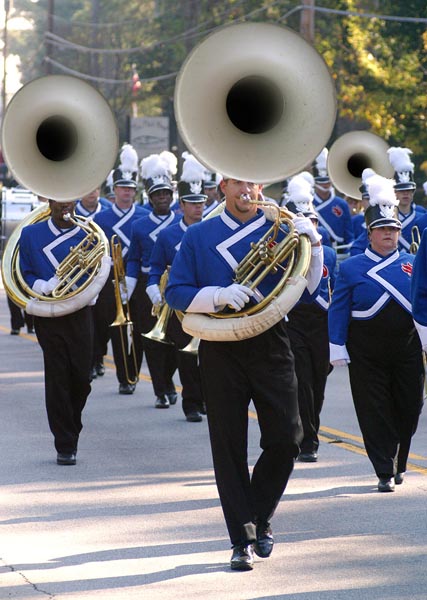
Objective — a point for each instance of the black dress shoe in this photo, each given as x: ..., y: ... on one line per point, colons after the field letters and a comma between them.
x: 100, y: 369
x: 63, y: 458
x: 398, y: 478
x: 242, y: 558
x: 14, y: 332
x: 386, y: 484
x: 194, y: 417
x: 264, y: 540
x: 30, y: 330
x: 308, y: 457
x: 126, y: 388
x: 203, y: 410
x: 93, y: 374
x: 161, y: 402
x: 172, y: 397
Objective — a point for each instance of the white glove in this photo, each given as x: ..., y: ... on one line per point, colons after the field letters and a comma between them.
x: 41, y: 286
x: 127, y: 290
x: 154, y: 294
x: 235, y: 295
x: 304, y: 225
x: 340, y: 362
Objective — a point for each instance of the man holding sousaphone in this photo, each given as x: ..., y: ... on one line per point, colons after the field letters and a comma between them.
x: 259, y: 368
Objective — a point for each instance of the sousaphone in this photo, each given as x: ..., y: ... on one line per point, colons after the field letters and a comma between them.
x: 60, y: 140
x: 256, y: 102
x: 351, y: 154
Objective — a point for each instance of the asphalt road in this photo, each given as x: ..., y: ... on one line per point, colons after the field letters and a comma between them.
x: 138, y: 517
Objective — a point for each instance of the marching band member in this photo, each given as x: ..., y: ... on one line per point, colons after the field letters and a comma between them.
x: 192, y: 199
x: 161, y: 360
x: 233, y: 373
x: 66, y: 341
x: 308, y: 331
x: 419, y: 290
x: 212, y: 192
x: 118, y: 220
x: 333, y: 211
x: 371, y: 329
x: 91, y: 203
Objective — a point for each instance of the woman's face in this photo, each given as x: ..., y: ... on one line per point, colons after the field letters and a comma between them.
x: 384, y: 239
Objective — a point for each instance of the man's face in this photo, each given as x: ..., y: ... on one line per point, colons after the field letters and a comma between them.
x: 124, y: 196
x: 161, y: 201
x: 323, y: 190
x: 193, y: 211
x: 90, y: 201
x: 58, y: 210
x: 405, y: 198
x: 237, y: 193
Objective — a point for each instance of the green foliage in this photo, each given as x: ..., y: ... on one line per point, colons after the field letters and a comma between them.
x: 379, y: 66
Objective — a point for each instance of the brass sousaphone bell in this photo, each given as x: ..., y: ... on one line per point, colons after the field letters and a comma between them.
x: 268, y: 115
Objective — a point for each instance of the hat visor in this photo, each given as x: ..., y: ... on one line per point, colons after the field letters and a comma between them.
x: 159, y: 186
x: 125, y: 183
x: 195, y: 198
x: 385, y: 223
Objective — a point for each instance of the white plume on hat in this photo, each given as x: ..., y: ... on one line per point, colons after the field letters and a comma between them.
x: 109, y: 181
x: 300, y: 192
x: 381, y: 191
x: 367, y: 174
x: 192, y: 169
x: 399, y: 159
x: 322, y: 162
x: 152, y: 165
x: 128, y: 161
x: 425, y: 187
x: 308, y: 177
x: 171, y: 161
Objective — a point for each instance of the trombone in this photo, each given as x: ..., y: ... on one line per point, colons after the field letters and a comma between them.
x: 122, y: 319
x: 163, y: 313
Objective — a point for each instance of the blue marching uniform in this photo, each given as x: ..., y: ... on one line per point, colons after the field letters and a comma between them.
x: 308, y: 332
x: 260, y: 369
x: 103, y: 204
x: 114, y: 221
x: 66, y: 341
x: 161, y: 360
x: 334, y: 215
x: 371, y: 325
x: 414, y: 218
x: 162, y: 256
x: 419, y: 290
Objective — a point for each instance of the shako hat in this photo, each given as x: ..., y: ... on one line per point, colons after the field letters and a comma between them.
x: 382, y: 210
x: 109, y: 185
x: 155, y: 173
x: 192, y: 182
x: 300, y: 195
x: 321, y: 167
x: 213, y: 180
x: 126, y: 174
x: 403, y: 168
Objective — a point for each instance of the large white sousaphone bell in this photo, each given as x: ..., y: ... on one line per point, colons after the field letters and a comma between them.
x: 351, y: 154
x: 59, y: 137
x: 255, y: 101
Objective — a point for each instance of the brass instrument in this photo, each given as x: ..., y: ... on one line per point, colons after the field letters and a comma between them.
x: 123, y: 319
x: 60, y: 140
x: 262, y: 122
x: 415, y: 239
x: 351, y: 154
x: 86, y: 265
x: 163, y: 313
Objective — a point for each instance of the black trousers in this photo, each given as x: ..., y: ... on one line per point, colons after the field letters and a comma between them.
x: 308, y: 332
x: 188, y: 368
x: 18, y: 317
x: 66, y: 343
x: 161, y: 358
x: 387, y: 382
x: 234, y: 373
